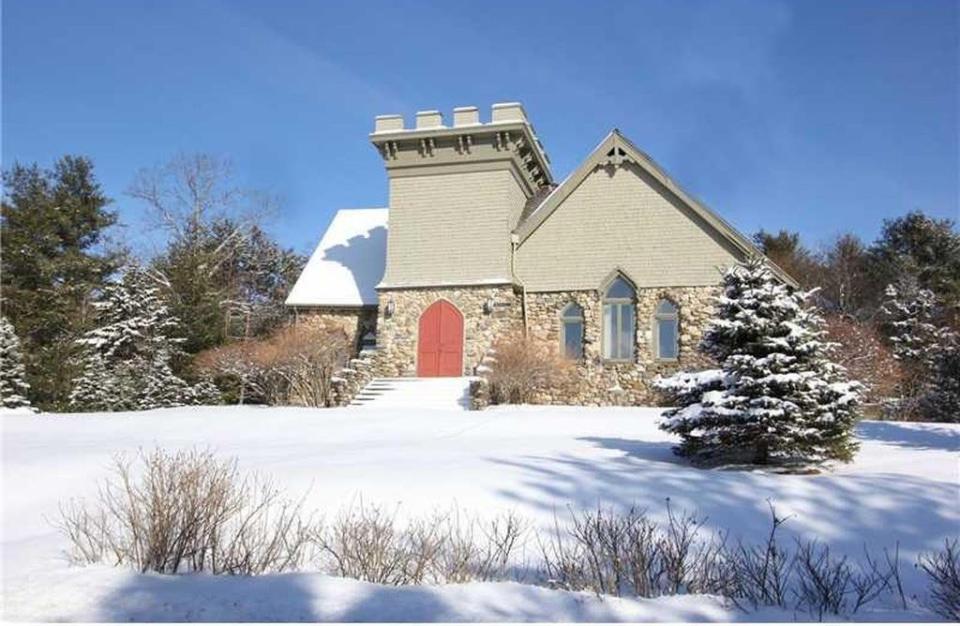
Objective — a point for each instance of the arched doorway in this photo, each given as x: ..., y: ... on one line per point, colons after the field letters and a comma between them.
x: 440, y: 341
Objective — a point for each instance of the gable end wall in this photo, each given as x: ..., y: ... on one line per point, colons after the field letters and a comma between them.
x: 622, y: 218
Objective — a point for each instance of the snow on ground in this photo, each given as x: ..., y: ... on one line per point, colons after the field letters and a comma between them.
x: 536, y: 461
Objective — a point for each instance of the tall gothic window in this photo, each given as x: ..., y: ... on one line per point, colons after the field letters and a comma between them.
x: 619, y: 321
x: 571, y: 331
x: 666, y: 330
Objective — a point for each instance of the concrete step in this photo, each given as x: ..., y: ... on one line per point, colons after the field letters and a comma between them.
x: 414, y: 393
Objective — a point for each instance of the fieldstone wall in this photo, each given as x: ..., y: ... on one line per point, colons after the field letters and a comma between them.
x: 599, y: 382
x: 397, y: 333
x: 355, y: 321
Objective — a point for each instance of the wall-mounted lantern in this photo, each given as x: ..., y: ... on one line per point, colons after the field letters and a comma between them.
x: 389, y: 309
x: 488, y: 306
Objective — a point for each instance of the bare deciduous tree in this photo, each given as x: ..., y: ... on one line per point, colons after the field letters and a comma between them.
x: 218, y: 264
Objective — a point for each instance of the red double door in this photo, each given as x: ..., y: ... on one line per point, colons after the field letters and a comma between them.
x: 440, y: 342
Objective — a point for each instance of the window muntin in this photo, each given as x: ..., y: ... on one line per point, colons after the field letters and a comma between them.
x: 619, y: 321
x: 571, y: 331
x: 666, y: 329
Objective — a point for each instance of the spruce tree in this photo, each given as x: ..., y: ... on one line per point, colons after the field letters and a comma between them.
x: 126, y: 359
x: 941, y: 400
x: 915, y: 321
x: 776, y: 397
x: 13, y: 384
x: 909, y: 319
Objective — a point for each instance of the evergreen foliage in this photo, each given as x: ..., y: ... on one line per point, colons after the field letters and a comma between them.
x: 776, y: 397
x: 786, y: 250
x: 55, y: 258
x: 229, y: 280
x: 941, y: 400
x: 926, y: 346
x: 924, y: 249
x: 225, y: 277
x: 13, y: 384
x: 126, y: 359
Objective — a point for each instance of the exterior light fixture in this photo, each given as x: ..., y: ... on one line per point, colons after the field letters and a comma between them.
x: 488, y: 306
x: 389, y: 309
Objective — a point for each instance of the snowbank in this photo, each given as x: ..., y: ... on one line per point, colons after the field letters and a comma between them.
x: 902, y: 487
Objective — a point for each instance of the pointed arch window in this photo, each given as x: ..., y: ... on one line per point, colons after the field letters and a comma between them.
x: 666, y: 331
x: 619, y: 321
x: 571, y: 331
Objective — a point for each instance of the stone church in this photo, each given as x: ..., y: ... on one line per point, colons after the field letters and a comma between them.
x: 617, y: 266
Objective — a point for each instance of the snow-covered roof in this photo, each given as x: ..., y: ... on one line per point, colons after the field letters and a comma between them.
x: 347, y: 264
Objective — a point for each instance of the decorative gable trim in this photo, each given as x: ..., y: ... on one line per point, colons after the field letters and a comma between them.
x: 613, y: 152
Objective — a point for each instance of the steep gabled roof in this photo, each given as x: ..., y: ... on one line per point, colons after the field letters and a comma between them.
x: 348, y: 263
x: 614, y: 150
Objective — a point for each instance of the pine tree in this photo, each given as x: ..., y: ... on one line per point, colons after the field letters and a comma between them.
x: 923, y: 248
x: 13, y: 384
x: 126, y: 360
x: 55, y: 258
x: 776, y: 397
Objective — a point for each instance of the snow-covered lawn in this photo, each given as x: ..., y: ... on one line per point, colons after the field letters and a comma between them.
x: 902, y: 487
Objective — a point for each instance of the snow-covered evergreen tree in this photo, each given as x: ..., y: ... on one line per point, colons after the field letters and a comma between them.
x: 909, y: 314
x: 13, y: 383
x: 927, y: 348
x: 940, y: 401
x: 126, y: 359
x: 776, y: 397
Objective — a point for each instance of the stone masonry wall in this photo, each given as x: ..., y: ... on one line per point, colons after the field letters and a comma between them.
x: 602, y: 383
x: 597, y: 382
x: 397, y: 333
x: 355, y: 321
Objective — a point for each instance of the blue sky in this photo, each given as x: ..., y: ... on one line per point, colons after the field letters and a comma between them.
x: 814, y: 116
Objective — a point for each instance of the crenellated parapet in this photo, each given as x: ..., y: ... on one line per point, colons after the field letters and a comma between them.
x: 506, y: 141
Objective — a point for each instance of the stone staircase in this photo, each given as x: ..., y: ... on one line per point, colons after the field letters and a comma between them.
x: 415, y: 393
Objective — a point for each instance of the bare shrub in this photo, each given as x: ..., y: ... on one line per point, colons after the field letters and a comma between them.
x: 187, y: 511
x: 369, y: 543
x: 305, y: 358
x: 628, y: 553
x: 295, y: 365
x: 860, y: 349
x: 88, y: 534
x: 235, y: 368
x: 761, y: 572
x: 869, y: 581
x: 522, y: 367
x: 364, y: 543
x: 473, y: 549
x: 943, y: 570
x: 822, y: 580
x: 826, y: 584
x: 681, y: 554
x: 564, y: 561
